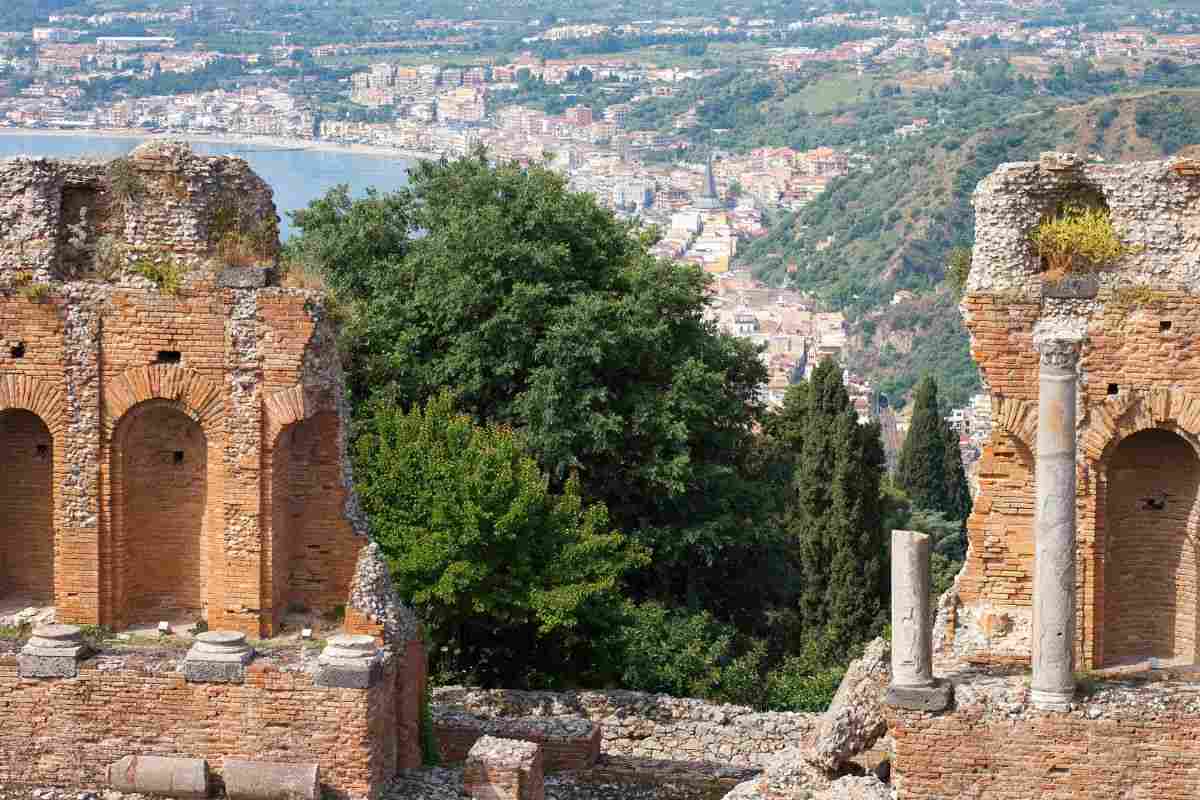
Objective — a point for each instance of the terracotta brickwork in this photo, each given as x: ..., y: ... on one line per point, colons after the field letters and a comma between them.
x: 166, y: 453
x: 26, y: 507
x: 1137, y: 750
x: 1138, y: 372
x: 64, y: 732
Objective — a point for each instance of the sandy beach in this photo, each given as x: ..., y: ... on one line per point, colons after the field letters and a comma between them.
x: 255, y: 142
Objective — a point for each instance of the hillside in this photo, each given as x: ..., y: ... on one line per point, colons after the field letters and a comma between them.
x: 891, y: 228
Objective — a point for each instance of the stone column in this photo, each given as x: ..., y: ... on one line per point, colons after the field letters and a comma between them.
x: 912, y: 685
x: 1054, y: 526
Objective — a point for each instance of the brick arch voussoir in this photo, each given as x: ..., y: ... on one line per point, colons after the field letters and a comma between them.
x: 289, y: 406
x: 1018, y: 419
x: 197, y: 396
x: 1122, y: 416
x: 42, y: 398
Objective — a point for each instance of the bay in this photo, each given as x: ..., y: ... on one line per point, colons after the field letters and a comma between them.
x: 297, y: 176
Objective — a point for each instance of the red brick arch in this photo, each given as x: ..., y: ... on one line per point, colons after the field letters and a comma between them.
x: 322, y: 528
x: 43, y: 400
x: 39, y: 397
x: 288, y: 406
x: 1018, y: 419
x: 197, y: 396
x: 1109, y: 423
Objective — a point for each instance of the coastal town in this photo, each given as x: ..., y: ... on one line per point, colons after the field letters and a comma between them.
x: 584, y: 97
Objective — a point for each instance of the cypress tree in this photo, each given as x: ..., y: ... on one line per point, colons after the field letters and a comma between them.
x: 931, y: 469
x: 958, y: 494
x: 837, y: 518
x: 922, y: 469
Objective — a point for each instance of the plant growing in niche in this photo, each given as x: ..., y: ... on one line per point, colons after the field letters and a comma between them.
x: 124, y: 182
x: 1079, y: 238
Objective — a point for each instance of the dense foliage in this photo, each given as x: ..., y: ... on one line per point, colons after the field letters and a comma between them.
x: 502, y: 569
x: 570, y: 469
x: 837, y: 519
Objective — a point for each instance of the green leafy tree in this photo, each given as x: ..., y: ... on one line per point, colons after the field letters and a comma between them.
x: 506, y: 573
x: 540, y: 310
x: 837, y: 518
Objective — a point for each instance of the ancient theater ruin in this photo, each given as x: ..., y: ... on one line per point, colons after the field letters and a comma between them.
x: 173, y: 450
x: 1066, y: 654
x: 169, y: 452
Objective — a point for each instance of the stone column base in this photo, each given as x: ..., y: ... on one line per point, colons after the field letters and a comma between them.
x: 1051, y: 701
x: 935, y: 697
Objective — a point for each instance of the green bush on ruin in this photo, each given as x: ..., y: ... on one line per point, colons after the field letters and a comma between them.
x: 1079, y: 238
x: 164, y: 272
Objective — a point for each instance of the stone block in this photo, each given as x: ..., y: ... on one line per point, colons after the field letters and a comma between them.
x: 218, y: 657
x: 171, y: 777
x: 920, y: 698
x: 349, y: 661
x: 504, y: 769
x: 54, y: 651
x: 1080, y: 287
x: 264, y: 780
x: 245, y: 277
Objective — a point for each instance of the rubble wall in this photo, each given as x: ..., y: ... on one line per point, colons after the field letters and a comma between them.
x: 641, y: 725
x: 1138, y: 371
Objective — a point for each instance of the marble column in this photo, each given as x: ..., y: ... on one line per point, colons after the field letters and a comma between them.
x: 1054, y: 526
x: 912, y: 685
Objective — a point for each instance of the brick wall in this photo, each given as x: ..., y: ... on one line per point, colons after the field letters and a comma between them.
x: 64, y: 732
x: 139, y: 535
x: 315, y: 537
x: 1137, y: 375
x: 26, y: 507
x: 1150, y: 563
x: 164, y: 481
x: 1135, y: 751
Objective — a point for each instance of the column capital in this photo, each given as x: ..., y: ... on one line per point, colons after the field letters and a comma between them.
x: 1058, y: 351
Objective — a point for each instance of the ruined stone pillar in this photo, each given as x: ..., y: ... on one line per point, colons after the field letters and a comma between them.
x: 1054, y: 526
x: 912, y: 683
x: 912, y: 636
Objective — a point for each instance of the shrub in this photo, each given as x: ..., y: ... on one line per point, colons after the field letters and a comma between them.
x: 1080, y: 238
x: 674, y: 651
x: 35, y: 292
x: 164, y: 272
x: 801, y: 684
x: 958, y: 266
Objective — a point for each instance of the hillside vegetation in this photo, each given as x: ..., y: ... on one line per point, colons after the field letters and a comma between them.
x: 891, y: 228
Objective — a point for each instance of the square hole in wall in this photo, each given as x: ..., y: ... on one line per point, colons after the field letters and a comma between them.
x: 1114, y: 388
x: 43, y: 452
x: 1153, y: 503
x: 1164, y: 325
x: 177, y: 456
x: 169, y: 357
x: 17, y: 350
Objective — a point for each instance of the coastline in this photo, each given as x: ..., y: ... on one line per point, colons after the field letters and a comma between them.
x: 256, y: 142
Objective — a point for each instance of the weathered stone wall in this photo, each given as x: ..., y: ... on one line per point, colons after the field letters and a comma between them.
x: 649, y: 725
x: 64, y: 731
x: 1137, y: 371
x: 1125, y: 740
x: 162, y: 200
x: 567, y: 742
